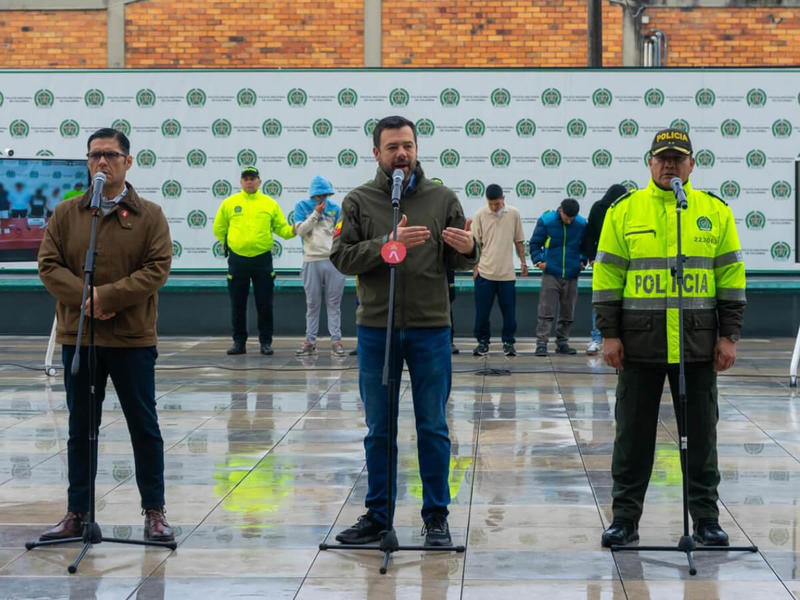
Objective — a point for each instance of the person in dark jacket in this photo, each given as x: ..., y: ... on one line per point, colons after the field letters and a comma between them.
x: 589, y: 248
x: 555, y: 249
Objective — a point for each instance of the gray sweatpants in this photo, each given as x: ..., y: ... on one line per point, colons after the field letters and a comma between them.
x: 556, y: 292
x: 319, y: 274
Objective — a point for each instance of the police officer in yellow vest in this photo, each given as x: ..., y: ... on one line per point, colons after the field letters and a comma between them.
x: 635, y: 295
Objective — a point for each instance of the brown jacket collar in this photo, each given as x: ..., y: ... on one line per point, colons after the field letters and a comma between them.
x: 131, y: 199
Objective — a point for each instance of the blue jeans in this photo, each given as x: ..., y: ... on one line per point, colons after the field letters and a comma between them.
x: 485, y: 291
x: 426, y: 351
x: 596, y: 337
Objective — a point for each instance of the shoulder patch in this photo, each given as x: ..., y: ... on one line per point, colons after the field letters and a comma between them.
x: 713, y: 195
x: 621, y: 198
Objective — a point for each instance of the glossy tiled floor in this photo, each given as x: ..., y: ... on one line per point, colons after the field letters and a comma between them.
x: 264, y: 461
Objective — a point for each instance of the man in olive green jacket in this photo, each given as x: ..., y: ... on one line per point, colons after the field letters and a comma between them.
x: 134, y: 252
x: 437, y: 237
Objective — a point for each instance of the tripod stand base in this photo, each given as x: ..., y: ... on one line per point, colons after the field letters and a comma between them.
x: 388, y: 545
x: 93, y: 535
x: 686, y: 545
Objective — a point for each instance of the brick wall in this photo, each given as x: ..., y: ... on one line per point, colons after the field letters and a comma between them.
x: 429, y: 33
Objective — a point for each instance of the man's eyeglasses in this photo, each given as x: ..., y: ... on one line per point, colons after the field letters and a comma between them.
x: 109, y: 155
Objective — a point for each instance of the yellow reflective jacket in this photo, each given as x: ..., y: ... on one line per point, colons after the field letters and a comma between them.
x: 246, y: 222
x: 634, y: 290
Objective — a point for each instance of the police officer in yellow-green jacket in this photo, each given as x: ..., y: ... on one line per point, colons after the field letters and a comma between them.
x: 245, y: 223
x: 635, y: 296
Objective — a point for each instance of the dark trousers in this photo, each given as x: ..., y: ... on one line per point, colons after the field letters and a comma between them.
x: 242, y: 270
x: 639, y: 392
x: 132, y: 371
x: 485, y: 292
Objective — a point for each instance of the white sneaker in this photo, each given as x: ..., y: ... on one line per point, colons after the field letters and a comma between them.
x: 593, y: 348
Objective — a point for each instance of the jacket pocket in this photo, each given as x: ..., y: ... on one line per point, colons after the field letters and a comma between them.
x: 636, y: 322
x: 643, y: 335
x: 700, y: 334
x: 135, y: 321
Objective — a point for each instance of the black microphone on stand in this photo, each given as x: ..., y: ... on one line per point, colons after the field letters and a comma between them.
x: 98, y: 181
x: 680, y: 194
x: 397, y: 186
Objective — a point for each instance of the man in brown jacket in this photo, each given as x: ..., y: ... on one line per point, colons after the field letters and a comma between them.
x: 134, y: 252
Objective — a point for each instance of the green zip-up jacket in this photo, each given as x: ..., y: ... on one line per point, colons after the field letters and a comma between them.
x: 422, y: 298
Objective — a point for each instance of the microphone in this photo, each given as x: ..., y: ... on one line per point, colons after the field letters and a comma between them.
x: 98, y: 181
x: 680, y: 194
x: 397, y: 186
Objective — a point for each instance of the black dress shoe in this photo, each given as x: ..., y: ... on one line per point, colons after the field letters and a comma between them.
x: 620, y: 532
x: 267, y: 349
x: 709, y: 533
x: 237, y: 348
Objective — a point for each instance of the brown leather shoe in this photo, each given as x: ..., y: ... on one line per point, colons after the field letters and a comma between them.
x: 156, y: 527
x: 68, y: 527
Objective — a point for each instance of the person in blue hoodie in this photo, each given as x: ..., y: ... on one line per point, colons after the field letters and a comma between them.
x: 555, y: 248
x: 315, y: 221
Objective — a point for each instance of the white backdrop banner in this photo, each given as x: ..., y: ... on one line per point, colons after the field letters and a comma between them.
x: 542, y: 135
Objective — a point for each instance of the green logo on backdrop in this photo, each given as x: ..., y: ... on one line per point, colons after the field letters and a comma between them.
x: 246, y: 97
x: 2, y: 99
x: 196, y: 158
x: 221, y: 128
x: 221, y: 188
x: 705, y: 97
x: 526, y: 128
x: 171, y: 128
x: 43, y: 98
x: 551, y: 97
x: 273, y: 188
x: 271, y: 128
x: 398, y: 97
x: 347, y: 158
x: 630, y: 185
x: 730, y: 189
x: 196, y: 219
x: 146, y: 159
x: 525, y: 188
x: 277, y: 248
x: 347, y: 97
x: 756, y: 159
x: 500, y: 97
x: 705, y: 159
x: 756, y: 98
x: 628, y: 128
x: 500, y: 158
x: 551, y: 158
x: 297, y: 97
x: 449, y: 97
x: 247, y: 158
x: 94, y: 98
x: 171, y: 189
x: 730, y: 128
x: 122, y: 126
x: 218, y: 250
x: 297, y: 158
x: 322, y: 128
x: 196, y: 97
x: 474, y: 188
x: 290, y: 217
x: 425, y: 128
x: 780, y: 251
x: 19, y: 128
x: 602, y: 97
x: 145, y: 98
x: 781, y: 190
x: 755, y: 220
x: 654, y: 97
x: 681, y: 124
x: 177, y: 249
x: 576, y: 128
x: 44, y: 152
x: 449, y: 158
x: 475, y: 128
x: 602, y: 158
x: 576, y: 189
x: 369, y: 126
x: 782, y: 128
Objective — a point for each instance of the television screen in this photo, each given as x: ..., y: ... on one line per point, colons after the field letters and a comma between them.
x: 30, y: 189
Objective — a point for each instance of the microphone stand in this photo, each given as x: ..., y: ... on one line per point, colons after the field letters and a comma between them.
x: 91, y: 530
x: 389, y: 543
x: 686, y: 543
